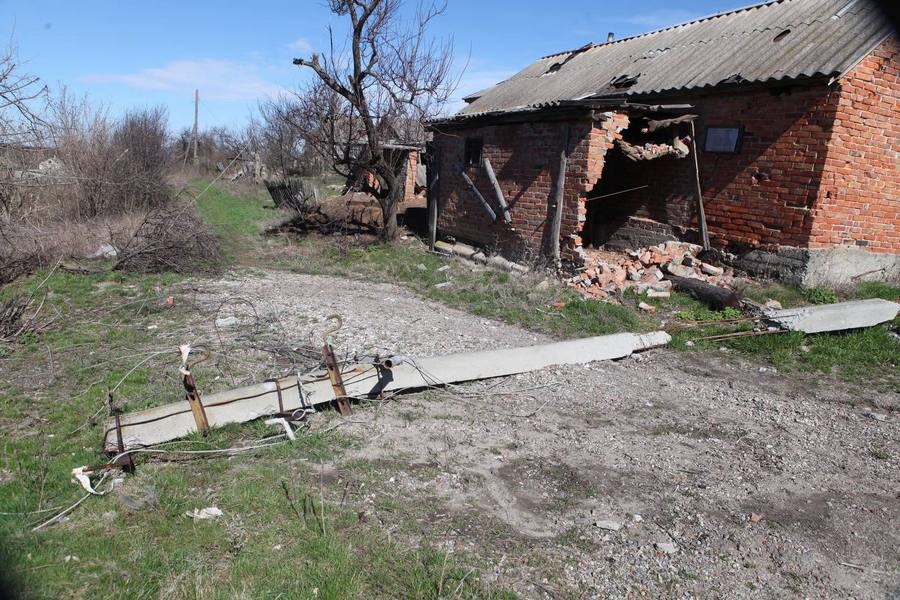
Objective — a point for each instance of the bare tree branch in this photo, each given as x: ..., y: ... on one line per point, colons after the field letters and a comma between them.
x: 370, y: 101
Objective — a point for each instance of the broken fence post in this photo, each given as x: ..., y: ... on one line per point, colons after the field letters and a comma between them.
x: 337, y: 381
x: 835, y: 317
x: 432, y: 176
x: 701, y: 212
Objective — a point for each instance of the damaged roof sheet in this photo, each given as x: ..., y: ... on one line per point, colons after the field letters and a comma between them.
x: 784, y: 39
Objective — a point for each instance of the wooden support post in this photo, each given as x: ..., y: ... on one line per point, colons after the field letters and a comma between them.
x: 484, y: 203
x: 558, y: 200
x: 196, y: 122
x: 337, y: 382
x: 501, y: 199
x: 432, y: 176
x: 704, y: 233
x: 195, y: 402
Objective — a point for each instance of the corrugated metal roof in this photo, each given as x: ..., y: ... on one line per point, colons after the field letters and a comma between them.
x: 815, y: 38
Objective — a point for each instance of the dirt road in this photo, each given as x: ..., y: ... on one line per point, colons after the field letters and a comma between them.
x: 661, y: 475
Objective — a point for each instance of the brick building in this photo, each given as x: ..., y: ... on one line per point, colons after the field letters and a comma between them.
x: 793, y: 107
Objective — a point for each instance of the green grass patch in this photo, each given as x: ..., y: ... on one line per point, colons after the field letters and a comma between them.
x: 819, y: 295
x: 866, y: 357
x: 877, y: 289
x: 236, y: 216
x: 56, y: 379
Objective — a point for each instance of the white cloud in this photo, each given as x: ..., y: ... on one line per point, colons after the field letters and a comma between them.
x: 216, y: 79
x: 301, y: 45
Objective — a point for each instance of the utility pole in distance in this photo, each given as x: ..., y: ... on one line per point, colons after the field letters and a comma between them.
x: 196, y: 122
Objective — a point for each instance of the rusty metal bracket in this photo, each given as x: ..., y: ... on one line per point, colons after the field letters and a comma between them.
x: 123, y: 458
x: 280, y: 398
x: 193, y: 398
x: 125, y: 461
x: 337, y: 382
x: 290, y: 415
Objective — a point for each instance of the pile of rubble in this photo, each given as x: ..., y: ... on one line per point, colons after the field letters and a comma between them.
x: 647, y: 270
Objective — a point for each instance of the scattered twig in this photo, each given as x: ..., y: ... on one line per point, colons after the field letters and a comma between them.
x: 864, y: 569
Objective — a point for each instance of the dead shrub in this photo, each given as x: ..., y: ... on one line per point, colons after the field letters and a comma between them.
x: 19, y: 315
x: 171, y: 238
x: 12, y: 313
x: 108, y: 167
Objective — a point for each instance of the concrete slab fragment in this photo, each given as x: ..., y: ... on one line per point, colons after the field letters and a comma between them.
x: 835, y: 317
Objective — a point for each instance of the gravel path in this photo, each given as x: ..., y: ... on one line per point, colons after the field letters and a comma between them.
x: 661, y: 475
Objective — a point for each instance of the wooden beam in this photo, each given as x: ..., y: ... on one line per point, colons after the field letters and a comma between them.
x: 701, y: 212
x: 713, y: 296
x: 431, y: 178
x: 501, y: 199
x: 484, y: 203
x: 558, y: 199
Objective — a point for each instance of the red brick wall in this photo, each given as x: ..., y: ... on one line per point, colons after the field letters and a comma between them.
x: 525, y: 158
x: 818, y: 167
x: 760, y: 196
x: 409, y: 185
x: 859, y: 199
x: 409, y: 192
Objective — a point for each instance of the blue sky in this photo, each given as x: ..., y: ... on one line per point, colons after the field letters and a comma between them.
x: 126, y: 53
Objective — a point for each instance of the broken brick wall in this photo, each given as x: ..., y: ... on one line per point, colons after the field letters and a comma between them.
x: 760, y: 196
x: 409, y: 184
x: 818, y: 168
x: 525, y: 158
x: 859, y: 198
x: 412, y: 162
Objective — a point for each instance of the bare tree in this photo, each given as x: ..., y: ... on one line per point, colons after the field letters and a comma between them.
x: 283, y: 147
x: 21, y: 129
x: 387, y: 75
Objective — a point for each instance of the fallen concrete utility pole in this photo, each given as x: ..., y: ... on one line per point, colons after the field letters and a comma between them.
x: 835, y: 317
x: 292, y: 394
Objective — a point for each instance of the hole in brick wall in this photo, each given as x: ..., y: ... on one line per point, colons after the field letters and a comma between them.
x: 644, y: 202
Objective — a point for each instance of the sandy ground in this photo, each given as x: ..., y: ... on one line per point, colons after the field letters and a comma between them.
x: 661, y: 475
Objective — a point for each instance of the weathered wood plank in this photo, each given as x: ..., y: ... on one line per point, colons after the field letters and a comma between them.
x: 484, y: 203
x: 701, y: 212
x: 558, y: 200
x: 501, y: 199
